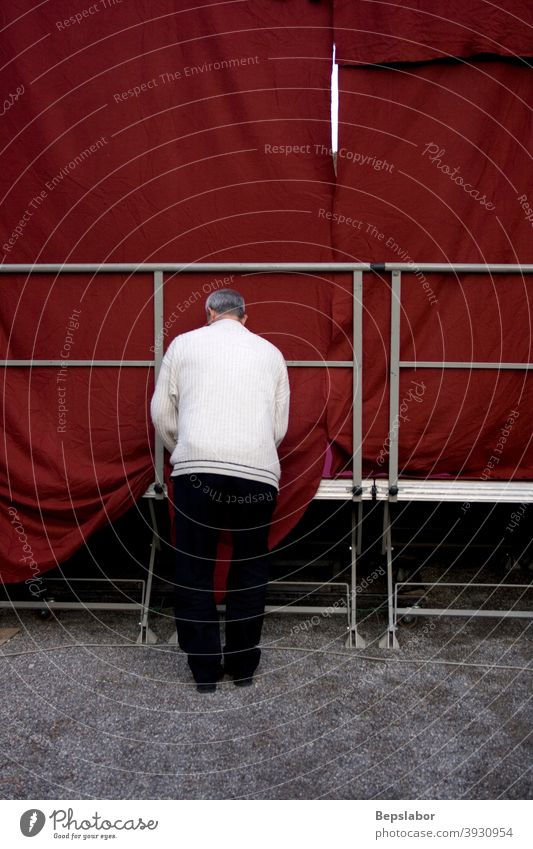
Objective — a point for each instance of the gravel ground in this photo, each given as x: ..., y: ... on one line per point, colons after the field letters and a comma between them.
x: 109, y: 722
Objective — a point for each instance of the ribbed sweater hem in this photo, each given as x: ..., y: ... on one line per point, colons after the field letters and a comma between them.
x: 234, y: 470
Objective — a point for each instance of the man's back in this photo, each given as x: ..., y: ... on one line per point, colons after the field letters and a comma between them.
x: 230, y: 390
x: 221, y: 406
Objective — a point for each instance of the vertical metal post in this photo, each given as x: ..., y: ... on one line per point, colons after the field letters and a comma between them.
x: 354, y: 638
x: 384, y: 533
x: 357, y: 382
x: 389, y: 640
x: 159, y: 449
x: 360, y: 527
x: 394, y: 378
x: 146, y: 634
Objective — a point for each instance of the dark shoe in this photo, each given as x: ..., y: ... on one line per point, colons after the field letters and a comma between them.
x: 238, y: 679
x: 206, y: 688
x: 210, y: 686
x: 243, y: 682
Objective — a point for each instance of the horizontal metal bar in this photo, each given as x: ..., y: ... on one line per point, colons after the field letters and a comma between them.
x: 320, y: 363
x: 182, y: 267
x: 297, y: 608
x: 151, y: 363
x: 329, y: 489
x: 72, y: 605
x: 290, y: 363
x: 339, y: 490
x: 436, y: 543
x: 465, y: 584
x: 458, y: 490
x: 112, y: 581
x: 269, y: 267
x: 465, y: 267
x: 79, y: 363
x: 328, y: 584
x: 453, y: 364
x: 446, y: 611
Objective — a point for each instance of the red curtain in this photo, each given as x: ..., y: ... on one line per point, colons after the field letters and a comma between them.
x: 153, y: 132
x: 145, y: 132
x: 372, y: 31
x: 433, y: 166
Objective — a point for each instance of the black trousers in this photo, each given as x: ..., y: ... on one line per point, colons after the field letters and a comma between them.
x: 205, y: 505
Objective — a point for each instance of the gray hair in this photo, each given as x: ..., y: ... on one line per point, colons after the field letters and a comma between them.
x: 226, y: 301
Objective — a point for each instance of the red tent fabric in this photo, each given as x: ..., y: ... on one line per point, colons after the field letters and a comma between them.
x: 161, y: 132
x: 372, y: 31
x: 155, y: 132
x: 433, y: 166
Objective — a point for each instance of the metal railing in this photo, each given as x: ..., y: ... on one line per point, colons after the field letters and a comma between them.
x: 396, y: 363
x: 359, y: 488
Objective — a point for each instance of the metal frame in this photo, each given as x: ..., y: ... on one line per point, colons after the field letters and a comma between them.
x: 407, y: 490
x: 355, y: 640
x: 310, y: 608
x: 450, y: 611
x: 357, y: 490
x: 157, y: 490
x: 51, y: 605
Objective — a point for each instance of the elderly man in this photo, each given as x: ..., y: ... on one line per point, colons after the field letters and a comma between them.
x: 221, y: 407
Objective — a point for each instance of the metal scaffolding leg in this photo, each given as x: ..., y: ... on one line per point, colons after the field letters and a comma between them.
x: 384, y: 531
x: 354, y: 639
x: 146, y: 635
x: 389, y: 639
x: 359, y: 527
x: 157, y: 490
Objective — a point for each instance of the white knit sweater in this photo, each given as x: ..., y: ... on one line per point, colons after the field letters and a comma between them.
x: 221, y: 403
